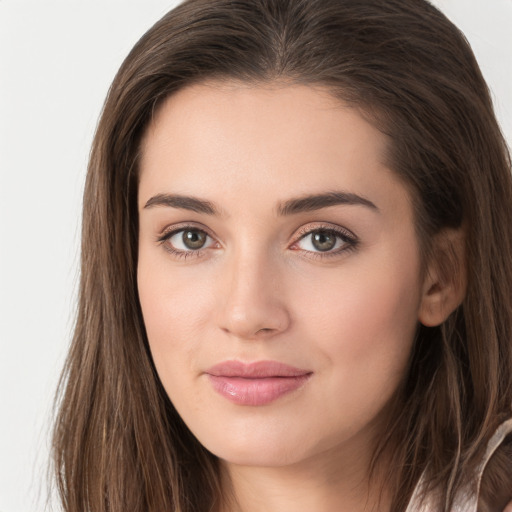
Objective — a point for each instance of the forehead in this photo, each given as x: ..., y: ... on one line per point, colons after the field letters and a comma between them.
x: 233, y: 140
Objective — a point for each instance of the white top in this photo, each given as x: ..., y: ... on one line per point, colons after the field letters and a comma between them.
x: 467, y: 499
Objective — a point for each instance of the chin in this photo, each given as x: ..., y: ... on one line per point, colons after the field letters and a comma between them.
x: 258, y: 457
x: 263, y: 446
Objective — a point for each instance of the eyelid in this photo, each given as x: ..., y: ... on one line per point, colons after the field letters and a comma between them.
x: 183, y: 226
x: 351, y: 241
x: 348, y: 237
x: 168, y: 232
x: 324, y: 226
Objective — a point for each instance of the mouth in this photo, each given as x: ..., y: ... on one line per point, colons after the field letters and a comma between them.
x: 255, y: 384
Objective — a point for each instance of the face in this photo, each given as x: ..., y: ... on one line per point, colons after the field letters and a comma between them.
x: 279, y: 272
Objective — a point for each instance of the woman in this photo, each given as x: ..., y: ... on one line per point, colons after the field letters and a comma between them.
x: 295, y: 287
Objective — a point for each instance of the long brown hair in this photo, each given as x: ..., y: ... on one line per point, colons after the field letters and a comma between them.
x: 119, y: 445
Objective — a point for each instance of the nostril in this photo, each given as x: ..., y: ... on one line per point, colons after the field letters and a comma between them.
x: 264, y: 329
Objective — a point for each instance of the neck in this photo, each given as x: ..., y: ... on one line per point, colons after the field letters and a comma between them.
x: 336, y: 480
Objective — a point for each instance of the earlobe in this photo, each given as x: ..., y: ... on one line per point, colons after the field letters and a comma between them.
x: 444, y: 286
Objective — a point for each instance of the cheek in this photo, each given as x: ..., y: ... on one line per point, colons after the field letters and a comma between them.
x: 363, y: 333
x: 382, y: 310
x: 175, y: 311
x: 364, y: 321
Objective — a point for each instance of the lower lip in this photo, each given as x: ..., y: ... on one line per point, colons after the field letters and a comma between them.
x: 256, y: 391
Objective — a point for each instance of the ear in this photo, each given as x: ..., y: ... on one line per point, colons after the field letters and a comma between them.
x: 444, y: 287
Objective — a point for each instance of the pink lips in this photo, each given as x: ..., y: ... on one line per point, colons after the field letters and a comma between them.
x: 256, y: 383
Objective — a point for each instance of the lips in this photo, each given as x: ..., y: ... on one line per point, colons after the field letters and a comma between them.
x: 255, y: 384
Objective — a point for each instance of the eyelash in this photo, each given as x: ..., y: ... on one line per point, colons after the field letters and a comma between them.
x: 178, y: 253
x: 350, y: 241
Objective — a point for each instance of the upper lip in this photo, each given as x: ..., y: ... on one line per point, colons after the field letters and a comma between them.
x: 255, y: 370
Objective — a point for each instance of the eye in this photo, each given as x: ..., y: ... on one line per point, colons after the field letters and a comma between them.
x: 186, y: 240
x: 326, y: 240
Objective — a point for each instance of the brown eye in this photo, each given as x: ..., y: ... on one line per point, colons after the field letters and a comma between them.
x: 187, y: 240
x: 327, y: 241
x: 323, y: 240
x: 194, y: 239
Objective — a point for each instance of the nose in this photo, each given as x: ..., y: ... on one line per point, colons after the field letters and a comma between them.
x: 251, y: 301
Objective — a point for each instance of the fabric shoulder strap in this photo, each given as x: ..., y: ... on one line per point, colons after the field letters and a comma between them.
x: 467, y: 499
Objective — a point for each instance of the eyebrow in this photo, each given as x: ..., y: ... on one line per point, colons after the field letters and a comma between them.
x: 290, y: 207
x: 319, y: 201
x: 193, y: 204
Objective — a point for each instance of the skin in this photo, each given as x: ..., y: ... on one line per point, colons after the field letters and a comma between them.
x: 260, y: 290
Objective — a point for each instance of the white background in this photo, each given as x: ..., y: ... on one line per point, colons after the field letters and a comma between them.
x: 57, y: 59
